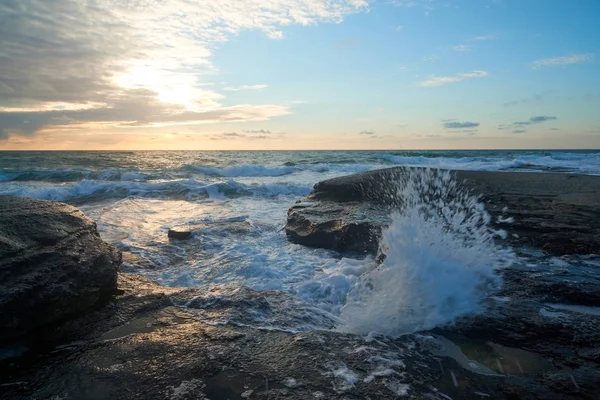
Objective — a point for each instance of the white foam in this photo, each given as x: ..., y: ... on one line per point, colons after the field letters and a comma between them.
x: 245, y: 170
x: 349, y: 377
x: 581, y: 162
x: 188, y: 189
x: 441, y: 261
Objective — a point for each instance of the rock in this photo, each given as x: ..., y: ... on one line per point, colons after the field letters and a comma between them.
x: 559, y: 213
x: 53, y: 265
x: 185, y: 231
x: 348, y: 227
x: 141, y: 346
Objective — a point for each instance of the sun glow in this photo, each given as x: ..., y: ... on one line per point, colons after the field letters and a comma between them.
x: 173, y: 87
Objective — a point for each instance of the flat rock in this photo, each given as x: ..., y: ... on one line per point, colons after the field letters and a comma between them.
x: 141, y: 346
x: 185, y: 231
x: 53, y: 265
x: 556, y: 212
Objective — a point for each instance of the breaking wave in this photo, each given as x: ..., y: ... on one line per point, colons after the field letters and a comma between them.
x: 441, y: 261
x: 184, y: 189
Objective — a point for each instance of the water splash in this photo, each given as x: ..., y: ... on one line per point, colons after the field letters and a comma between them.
x: 441, y: 260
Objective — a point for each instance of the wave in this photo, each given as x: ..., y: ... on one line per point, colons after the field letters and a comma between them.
x: 184, y: 172
x: 329, y: 163
x: 441, y: 261
x: 580, y: 163
x: 187, y: 189
x: 242, y: 170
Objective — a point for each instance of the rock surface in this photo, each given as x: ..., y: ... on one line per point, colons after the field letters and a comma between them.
x: 185, y: 231
x: 141, y: 346
x: 559, y: 213
x: 53, y: 265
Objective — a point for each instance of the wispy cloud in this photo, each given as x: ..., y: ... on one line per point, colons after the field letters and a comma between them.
x: 431, y: 58
x: 527, y: 100
x: 521, y: 126
x: 542, y: 118
x: 399, y: 28
x: 120, y: 62
x: 264, y: 131
x: 462, y: 48
x: 572, y: 59
x: 245, y: 87
x: 367, y: 133
x: 235, y: 135
x: 484, y: 37
x: 442, y: 80
x: 536, y: 120
x: 460, y: 125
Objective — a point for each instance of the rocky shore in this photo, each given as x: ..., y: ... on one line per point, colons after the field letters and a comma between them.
x: 73, y: 327
x: 558, y: 213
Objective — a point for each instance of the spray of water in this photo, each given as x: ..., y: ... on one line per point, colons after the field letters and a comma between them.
x: 441, y: 260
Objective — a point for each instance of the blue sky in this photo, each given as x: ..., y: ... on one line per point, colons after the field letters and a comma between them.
x: 299, y: 74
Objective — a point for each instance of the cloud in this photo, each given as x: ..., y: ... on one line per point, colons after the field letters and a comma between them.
x: 234, y: 135
x: 399, y: 28
x: 462, y: 48
x: 484, y: 37
x: 133, y: 63
x: 460, y: 125
x: 442, y: 80
x: 367, y: 133
x: 134, y: 108
x: 534, y: 99
x: 541, y: 118
x: 245, y: 87
x: 431, y: 58
x: 257, y: 131
x: 519, y: 130
x: 536, y: 120
x: 405, y: 3
x: 572, y: 59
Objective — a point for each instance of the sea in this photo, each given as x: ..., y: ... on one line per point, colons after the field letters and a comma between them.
x: 430, y: 277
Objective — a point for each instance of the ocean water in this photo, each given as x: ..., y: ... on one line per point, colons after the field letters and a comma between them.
x: 136, y: 196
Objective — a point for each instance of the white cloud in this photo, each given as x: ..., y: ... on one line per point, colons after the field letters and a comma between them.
x: 572, y: 59
x: 99, y: 55
x: 399, y: 28
x: 462, y: 48
x: 442, y: 80
x: 245, y: 87
x: 485, y: 37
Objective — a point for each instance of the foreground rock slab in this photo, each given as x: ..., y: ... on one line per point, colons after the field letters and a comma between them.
x: 143, y: 346
x: 53, y: 265
x: 558, y: 213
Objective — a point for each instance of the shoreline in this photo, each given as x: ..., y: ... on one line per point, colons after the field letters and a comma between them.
x: 556, y: 212
x: 155, y: 342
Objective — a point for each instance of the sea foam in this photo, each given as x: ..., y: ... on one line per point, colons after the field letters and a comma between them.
x: 441, y: 260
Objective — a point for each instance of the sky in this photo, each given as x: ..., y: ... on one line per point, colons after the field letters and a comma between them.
x: 299, y: 74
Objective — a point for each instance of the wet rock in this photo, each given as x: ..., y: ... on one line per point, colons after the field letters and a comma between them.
x: 53, y: 265
x: 351, y: 227
x: 142, y: 347
x: 185, y: 231
x: 559, y: 213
